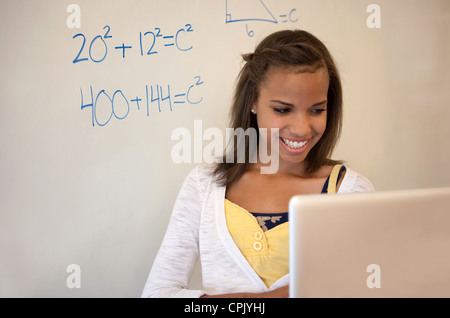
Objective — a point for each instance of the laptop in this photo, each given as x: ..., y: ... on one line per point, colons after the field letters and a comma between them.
x: 380, y: 244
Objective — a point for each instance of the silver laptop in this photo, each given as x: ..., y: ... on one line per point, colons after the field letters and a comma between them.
x: 378, y: 244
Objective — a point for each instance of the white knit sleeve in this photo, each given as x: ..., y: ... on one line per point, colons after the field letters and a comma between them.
x: 178, y: 254
x: 354, y: 182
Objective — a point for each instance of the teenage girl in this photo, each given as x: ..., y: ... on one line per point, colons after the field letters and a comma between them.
x: 232, y: 217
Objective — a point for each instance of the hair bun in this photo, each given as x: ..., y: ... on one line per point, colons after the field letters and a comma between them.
x: 248, y: 57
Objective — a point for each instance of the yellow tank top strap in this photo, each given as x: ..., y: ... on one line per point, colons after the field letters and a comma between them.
x: 332, y: 182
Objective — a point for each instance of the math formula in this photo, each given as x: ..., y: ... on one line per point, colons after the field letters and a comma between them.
x: 105, y: 105
x: 149, y: 98
x: 145, y: 43
x: 242, y: 11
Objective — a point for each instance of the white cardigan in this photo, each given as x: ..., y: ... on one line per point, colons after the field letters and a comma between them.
x: 198, y: 228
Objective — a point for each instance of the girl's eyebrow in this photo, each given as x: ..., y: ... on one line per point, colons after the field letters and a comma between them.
x: 320, y: 103
x: 282, y: 103
x: 291, y: 105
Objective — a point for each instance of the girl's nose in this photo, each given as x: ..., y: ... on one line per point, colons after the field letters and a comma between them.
x: 300, y: 126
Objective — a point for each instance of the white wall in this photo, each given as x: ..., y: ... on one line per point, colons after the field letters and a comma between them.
x: 101, y: 196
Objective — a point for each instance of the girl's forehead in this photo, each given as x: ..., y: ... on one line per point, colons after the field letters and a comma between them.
x: 273, y: 72
x: 279, y: 77
x: 294, y: 69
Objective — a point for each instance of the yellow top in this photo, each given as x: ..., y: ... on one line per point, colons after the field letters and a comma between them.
x: 267, y: 252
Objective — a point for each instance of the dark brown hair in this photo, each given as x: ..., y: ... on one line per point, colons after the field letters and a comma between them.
x: 284, y: 48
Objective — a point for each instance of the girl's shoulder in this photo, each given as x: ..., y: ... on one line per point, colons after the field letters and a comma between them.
x: 201, y: 176
x: 355, y: 182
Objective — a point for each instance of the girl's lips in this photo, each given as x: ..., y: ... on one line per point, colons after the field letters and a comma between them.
x: 294, y: 145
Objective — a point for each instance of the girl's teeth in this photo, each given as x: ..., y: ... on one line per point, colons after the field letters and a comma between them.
x: 294, y: 144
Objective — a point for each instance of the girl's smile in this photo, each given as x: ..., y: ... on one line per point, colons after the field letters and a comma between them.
x: 294, y: 146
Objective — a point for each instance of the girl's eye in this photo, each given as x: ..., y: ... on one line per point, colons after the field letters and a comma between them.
x: 281, y: 110
x: 318, y: 111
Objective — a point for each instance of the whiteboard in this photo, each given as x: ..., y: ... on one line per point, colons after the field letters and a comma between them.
x: 91, y: 92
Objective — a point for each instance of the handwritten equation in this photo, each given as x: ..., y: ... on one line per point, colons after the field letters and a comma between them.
x: 255, y: 10
x: 145, y: 43
x: 105, y: 106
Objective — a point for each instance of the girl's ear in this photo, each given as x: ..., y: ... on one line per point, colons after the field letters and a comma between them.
x: 254, y: 109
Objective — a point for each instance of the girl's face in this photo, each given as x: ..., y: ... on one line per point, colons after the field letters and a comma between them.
x: 296, y: 103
